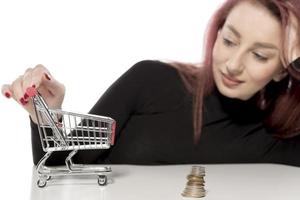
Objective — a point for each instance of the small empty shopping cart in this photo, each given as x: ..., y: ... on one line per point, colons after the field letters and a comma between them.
x: 66, y: 131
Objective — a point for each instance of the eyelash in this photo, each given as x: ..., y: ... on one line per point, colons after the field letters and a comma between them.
x: 260, y: 58
x: 227, y: 42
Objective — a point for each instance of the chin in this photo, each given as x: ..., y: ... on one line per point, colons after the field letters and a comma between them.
x: 231, y: 93
x: 234, y: 92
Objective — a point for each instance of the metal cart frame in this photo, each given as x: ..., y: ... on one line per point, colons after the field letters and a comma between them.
x: 62, y: 131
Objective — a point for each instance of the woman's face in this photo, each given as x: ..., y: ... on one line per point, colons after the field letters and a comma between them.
x: 246, y: 53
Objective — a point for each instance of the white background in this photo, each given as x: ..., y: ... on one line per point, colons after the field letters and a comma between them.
x: 86, y: 45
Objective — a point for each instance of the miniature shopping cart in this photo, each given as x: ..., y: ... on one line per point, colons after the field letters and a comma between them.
x: 63, y: 131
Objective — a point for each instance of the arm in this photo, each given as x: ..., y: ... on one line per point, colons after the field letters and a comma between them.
x: 119, y: 102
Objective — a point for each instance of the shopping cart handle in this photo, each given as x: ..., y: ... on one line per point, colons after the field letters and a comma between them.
x: 113, y: 133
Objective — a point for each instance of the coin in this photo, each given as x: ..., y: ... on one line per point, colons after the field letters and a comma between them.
x: 195, y: 184
x: 190, y: 176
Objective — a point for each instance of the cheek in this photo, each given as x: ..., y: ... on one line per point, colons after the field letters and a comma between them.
x: 261, y: 74
x: 219, y: 55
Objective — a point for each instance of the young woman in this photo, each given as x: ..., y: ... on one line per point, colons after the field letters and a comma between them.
x: 240, y: 105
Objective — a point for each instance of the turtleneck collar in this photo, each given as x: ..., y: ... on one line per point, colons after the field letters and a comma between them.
x: 219, y: 106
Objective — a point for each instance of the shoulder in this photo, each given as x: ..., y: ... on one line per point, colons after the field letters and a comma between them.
x: 147, y: 73
x: 162, y: 88
x: 154, y: 73
x: 157, y: 75
x: 153, y: 68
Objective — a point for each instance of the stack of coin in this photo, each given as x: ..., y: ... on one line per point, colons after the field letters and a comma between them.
x: 195, y: 184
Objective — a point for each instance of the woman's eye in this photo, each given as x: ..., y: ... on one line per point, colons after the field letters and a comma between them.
x: 260, y: 58
x: 227, y: 42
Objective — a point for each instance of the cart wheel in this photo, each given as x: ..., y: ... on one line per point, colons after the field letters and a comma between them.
x: 41, y: 183
x: 102, y: 180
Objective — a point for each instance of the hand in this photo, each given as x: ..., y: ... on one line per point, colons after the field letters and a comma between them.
x: 293, y: 38
x: 39, y: 78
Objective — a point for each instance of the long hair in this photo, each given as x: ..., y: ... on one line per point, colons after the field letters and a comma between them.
x: 280, y: 100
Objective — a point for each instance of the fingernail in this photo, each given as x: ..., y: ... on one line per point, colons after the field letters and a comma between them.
x: 23, y: 101
x: 47, y: 76
x: 31, y: 91
x: 7, y: 94
x: 26, y: 95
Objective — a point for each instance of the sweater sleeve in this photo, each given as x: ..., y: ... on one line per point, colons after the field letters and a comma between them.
x: 120, y: 101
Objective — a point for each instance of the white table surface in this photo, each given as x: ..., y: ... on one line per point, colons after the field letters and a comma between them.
x: 223, y: 181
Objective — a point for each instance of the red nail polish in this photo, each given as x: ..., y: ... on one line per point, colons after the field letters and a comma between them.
x: 31, y: 91
x: 7, y: 94
x: 23, y: 102
x: 47, y: 77
x: 26, y: 96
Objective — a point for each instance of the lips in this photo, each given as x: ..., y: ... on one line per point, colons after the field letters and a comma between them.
x: 232, y: 78
x: 230, y: 81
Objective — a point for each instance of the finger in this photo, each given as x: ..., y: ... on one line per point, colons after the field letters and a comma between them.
x: 54, y: 86
x: 33, y: 80
x: 28, y: 70
x: 27, y: 82
x: 5, y: 90
x: 33, y: 77
x: 41, y: 75
x: 18, y: 92
x: 44, y: 92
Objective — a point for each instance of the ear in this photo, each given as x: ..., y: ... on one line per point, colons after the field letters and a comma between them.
x: 280, y: 75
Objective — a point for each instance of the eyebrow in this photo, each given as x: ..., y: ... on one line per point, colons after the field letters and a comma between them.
x: 230, y: 27
x: 256, y: 44
x: 265, y: 45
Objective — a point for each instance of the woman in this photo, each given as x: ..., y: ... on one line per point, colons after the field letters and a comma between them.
x: 240, y: 106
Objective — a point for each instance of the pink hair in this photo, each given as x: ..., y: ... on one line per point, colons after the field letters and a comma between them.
x: 281, y: 101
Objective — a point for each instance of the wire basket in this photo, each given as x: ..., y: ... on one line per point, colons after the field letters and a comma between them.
x: 63, y: 131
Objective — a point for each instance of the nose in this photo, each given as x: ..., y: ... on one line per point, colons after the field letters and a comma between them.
x: 234, y: 65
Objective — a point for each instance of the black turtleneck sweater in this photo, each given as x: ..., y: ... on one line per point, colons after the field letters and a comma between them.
x: 153, y: 111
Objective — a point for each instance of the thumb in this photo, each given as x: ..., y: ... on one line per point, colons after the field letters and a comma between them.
x: 52, y: 84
